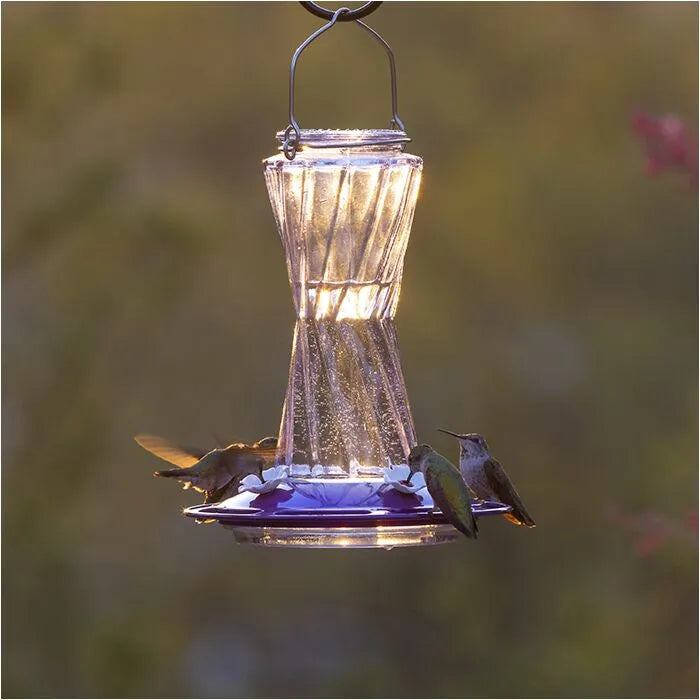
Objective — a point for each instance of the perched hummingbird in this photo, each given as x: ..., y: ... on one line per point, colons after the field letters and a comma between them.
x: 487, y: 478
x: 215, y: 472
x: 446, y: 486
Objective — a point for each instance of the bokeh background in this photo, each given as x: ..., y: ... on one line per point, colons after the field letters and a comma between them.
x: 549, y: 301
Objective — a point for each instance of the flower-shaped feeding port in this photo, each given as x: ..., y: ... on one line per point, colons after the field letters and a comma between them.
x: 399, y: 478
x: 273, y: 478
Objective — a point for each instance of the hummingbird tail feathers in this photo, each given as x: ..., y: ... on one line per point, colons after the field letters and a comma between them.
x: 520, y: 519
x: 471, y: 530
x: 463, y: 521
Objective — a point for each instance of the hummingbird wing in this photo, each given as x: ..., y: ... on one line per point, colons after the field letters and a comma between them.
x: 160, y: 447
x: 263, y: 448
x: 502, y: 486
x: 207, y: 474
x: 450, y: 493
x: 242, y: 461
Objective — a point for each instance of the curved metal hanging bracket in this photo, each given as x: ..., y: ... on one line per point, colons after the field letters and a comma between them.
x: 395, y: 119
x: 292, y: 134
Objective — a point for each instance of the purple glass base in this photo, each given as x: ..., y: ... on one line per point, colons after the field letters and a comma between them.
x: 342, y: 512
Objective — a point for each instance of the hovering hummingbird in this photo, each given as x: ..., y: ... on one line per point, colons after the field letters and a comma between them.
x: 487, y: 478
x: 216, y: 472
x: 446, y: 486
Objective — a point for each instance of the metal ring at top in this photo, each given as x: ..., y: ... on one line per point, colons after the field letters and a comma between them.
x: 349, y: 16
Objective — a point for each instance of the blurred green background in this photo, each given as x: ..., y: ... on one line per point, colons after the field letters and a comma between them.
x: 549, y: 301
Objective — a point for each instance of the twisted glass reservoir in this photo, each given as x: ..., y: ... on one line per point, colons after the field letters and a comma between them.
x: 344, y: 215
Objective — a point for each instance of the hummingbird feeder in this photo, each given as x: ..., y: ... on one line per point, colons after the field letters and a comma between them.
x: 343, y: 201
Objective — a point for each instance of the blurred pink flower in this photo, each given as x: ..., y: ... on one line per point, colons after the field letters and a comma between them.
x: 651, y: 530
x: 668, y: 145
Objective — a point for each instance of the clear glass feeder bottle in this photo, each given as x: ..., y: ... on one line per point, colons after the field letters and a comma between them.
x: 344, y: 215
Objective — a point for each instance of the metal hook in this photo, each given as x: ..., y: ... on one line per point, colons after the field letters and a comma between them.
x: 316, y: 9
x: 292, y: 141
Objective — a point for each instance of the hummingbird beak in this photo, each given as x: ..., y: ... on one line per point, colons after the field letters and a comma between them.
x: 449, y: 432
